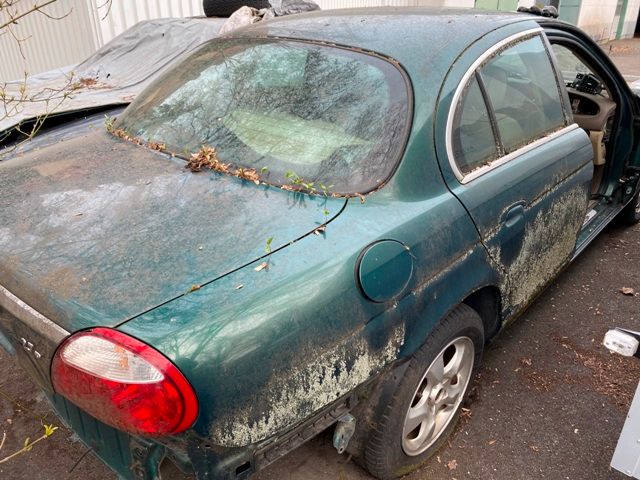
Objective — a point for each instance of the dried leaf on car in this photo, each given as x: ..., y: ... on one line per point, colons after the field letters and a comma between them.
x: 261, y: 267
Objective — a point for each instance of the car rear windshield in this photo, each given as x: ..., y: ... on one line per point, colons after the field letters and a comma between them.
x: 296, y: 112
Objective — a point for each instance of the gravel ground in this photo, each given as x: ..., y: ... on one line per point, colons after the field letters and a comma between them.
x: 549, y: 402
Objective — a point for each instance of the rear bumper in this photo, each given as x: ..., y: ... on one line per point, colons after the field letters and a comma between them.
x: 131, y: 458
x: 134, y: 458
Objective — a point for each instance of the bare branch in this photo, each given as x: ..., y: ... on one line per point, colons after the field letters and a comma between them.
x: 41, y: 12
x: 14, y: 18
x: 107, y: 3
x: 24, y: 99
x: 18, y: 40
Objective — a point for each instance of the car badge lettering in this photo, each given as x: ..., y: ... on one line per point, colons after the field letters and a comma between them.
x: 28, y: 346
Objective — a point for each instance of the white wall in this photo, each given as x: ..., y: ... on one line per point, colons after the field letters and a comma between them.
x: 47, y: 42
x: 85, y: 27
x: 630, y: 18
x: 597, y: 18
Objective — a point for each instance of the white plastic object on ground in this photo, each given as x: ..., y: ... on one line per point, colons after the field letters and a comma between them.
x: 621, y: 342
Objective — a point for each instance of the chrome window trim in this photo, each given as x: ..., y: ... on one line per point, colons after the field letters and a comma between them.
x: 478, y: 172
x: 456, y: 99
x: 564, y: 95
x: 30, y: 316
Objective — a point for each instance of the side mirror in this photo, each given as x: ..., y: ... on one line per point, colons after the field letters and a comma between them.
x: 624, y: 342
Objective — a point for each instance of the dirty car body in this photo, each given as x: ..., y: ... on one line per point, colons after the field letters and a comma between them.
x: 286, y: 305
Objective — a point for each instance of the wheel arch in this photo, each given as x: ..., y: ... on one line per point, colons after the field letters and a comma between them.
x: 484, y: 298
x: 486, y: 301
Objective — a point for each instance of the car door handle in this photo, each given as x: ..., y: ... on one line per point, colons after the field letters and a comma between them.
x: 514, y: 218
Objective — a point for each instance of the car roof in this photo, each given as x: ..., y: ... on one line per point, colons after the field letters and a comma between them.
x: 393, y: 31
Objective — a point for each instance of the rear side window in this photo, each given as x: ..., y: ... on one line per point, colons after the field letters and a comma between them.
x: 512, y: 99
x: 474, y: 141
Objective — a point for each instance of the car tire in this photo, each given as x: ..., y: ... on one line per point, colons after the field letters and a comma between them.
x: 630, y: 215
x: 224, y: 8
x: 395, y: 446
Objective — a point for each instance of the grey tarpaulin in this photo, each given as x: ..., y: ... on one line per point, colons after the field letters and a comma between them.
x: 247, y: 15
x: 290, y: 7
x: 118, y: 71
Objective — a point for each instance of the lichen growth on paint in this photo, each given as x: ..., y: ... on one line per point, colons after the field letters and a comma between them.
x: 296, y: 394
x: 549, y: 240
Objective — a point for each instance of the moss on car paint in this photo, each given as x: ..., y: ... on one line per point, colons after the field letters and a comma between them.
x: 321, y: 377
x: 548, y: 244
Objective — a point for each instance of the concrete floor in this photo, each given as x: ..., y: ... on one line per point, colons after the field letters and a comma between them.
x: 626, y: 55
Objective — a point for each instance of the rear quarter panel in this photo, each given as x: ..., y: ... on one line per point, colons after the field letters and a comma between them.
x: 266, y: 349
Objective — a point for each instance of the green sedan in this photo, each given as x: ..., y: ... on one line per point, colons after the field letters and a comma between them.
x: 314, y: 222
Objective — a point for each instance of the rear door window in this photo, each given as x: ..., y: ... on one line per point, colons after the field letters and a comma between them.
x: 511, y: 100
x: 523, y: 91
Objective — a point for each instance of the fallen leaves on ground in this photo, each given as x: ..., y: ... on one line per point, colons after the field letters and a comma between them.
x: 609, y: 375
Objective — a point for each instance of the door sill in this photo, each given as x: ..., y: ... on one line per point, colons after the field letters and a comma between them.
x: 596, y: 219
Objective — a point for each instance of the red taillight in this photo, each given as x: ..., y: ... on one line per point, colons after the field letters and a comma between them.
x: 124, y: 383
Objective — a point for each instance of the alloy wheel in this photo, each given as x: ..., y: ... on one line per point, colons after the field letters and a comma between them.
x: 438, y: 396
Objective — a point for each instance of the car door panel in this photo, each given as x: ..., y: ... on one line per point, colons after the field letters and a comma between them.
x: 529, y: 210
x: 528, y: 202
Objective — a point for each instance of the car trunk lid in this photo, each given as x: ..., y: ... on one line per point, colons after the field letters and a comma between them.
x: 96, y: 230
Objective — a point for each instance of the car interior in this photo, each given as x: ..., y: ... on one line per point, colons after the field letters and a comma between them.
x: 592, y: 106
